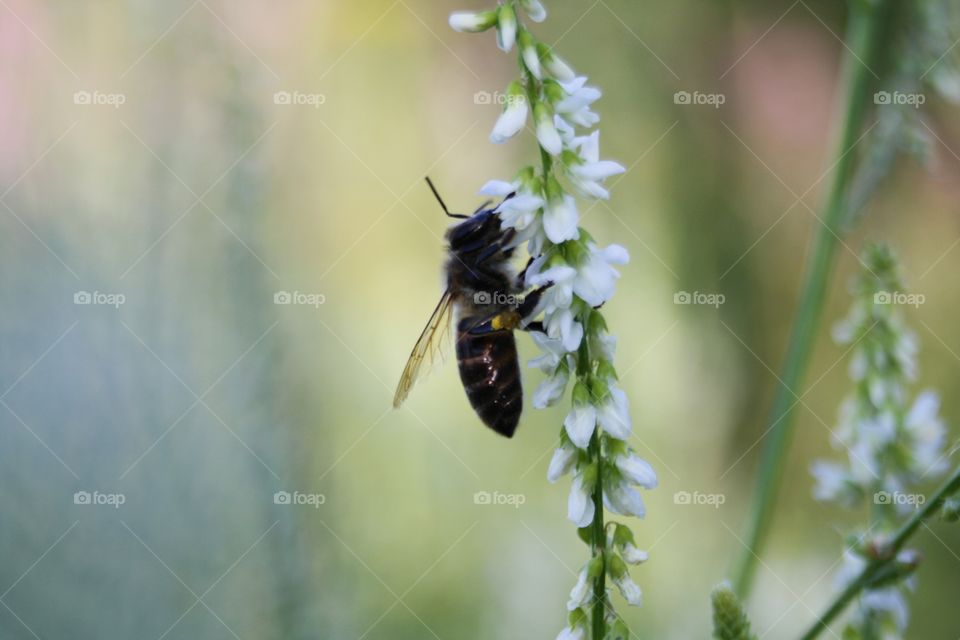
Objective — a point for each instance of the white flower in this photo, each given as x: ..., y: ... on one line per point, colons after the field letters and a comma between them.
x: 580, y: 507
x: 498, y: 188
x: 927, y: 435
x: 472, y: 21
x: 575, y: 106
x: 573, y: 633
x: 623, y: 499
x: 636, y: 470
x: 546, y: 130
x: 596, y: 279
x: 568, y: 135
x: 562, y: 461
x: 528, y: 51
x: 552, y: 352
x: 588, y: 175
x: 580, y: 424
x: 864, y: 466
x: 631, y: 554
x: 551, y: 389
x: 832, y: 480
x: 557, y: 67
x: 889, y: 600
x: 519, y: 211
x: 534, y: 9
x: 853, y: 565
x: 628, y: 589
x: 511, y: 120
x: 614, y: 414
x: 561, y: 324
x: 580, y: 594
x: 560, y: 280
x: 560, y: 219
x: 506, y: 27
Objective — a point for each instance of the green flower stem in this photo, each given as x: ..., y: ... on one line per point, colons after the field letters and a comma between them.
x: 888, y: 555
x: 598, y: 535
x: 598, y: 543
x: 584, y: 368
x: 866, y: 26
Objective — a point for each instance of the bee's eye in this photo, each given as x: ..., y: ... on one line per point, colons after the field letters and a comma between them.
x: 476, y: 229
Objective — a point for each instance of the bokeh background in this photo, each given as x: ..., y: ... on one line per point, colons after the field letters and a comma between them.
x: 200, y: 198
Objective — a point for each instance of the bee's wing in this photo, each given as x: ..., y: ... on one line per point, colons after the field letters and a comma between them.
x: 427, y: 347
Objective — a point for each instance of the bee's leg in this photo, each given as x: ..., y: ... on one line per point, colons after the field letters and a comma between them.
x: 536, y: 325
x: 522, y: 276
x: 530, y: 302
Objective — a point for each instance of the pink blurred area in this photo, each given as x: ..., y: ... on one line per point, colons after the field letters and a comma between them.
x: 23, y: 29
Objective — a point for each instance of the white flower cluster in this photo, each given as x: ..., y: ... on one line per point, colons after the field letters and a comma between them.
x: 576, y: 276
x: 891, y: 445
x: 883, y: 611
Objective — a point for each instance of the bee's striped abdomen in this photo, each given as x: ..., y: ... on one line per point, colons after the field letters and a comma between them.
x: 490, y: 374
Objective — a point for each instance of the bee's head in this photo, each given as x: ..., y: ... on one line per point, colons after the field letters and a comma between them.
x: 480, y: 229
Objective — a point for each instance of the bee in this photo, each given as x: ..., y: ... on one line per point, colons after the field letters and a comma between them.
x: 485, y: 296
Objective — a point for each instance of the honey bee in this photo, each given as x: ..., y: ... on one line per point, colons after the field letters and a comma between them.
x: 485, y: 295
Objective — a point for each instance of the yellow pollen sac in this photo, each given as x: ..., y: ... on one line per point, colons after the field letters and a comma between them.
x: 508, y: 320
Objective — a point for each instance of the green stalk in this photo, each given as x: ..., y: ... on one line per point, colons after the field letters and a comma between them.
x: 866, y: 26
x: 584, y: 367
x: 598, y: 543
x: 889, y: 555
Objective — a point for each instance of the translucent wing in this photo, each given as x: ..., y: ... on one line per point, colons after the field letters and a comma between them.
x: 427, y: 347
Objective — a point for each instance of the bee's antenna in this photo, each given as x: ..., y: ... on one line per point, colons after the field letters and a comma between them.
x: 440, y: 200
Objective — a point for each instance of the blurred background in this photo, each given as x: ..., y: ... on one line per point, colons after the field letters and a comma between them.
x: 173, y: 173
